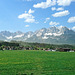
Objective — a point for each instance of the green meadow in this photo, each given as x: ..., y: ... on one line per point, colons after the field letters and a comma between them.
x: 22, y: 62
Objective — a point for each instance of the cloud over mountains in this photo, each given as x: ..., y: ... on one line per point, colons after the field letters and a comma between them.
x: 60, y: 14
x: 71, y: 19
x: 28, y: 16
x: 56, y: 9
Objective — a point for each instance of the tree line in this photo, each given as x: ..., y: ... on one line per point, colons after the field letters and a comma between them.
x: 19, y: 45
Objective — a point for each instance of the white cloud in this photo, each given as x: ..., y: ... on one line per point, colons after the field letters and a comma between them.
x: 50, y: 3
x: 53, y: 23
x: 59, y: 9
x: 46, y: 4
x: 30, y: 20
x: 28, y: 16
x: 53, y: 8
x: 60, y: 14
x: 64, y: 2
x: 30, y: 11
x: 73, y: 28
x: 71, y: 19
x: 46, y: 19
x: 26, y: 25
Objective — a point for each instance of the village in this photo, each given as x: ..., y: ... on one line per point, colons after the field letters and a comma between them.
x: 32, y: 48
x: 36, y: 46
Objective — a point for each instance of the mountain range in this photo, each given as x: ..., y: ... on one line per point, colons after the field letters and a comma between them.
x: 52, y: 35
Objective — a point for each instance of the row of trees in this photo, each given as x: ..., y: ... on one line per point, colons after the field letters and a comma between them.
x: 19, y: 45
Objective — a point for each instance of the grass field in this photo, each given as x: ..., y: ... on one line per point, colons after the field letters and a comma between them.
x: 37, y: 62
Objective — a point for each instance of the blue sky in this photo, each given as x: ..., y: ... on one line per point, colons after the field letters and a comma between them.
x: 31, y: 15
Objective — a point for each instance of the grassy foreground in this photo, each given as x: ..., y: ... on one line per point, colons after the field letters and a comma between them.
x: 37, y: 63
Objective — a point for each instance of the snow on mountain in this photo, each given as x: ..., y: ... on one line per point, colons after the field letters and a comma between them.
x: 10, y: 37
x: 48, y: 34
x: 54, y: 34
x: 45, y: 35
x: 57, y: 34
x: 17, y: 36
x: 28, y: 34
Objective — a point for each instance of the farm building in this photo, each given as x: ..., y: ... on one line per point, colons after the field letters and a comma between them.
x: 64, y: 49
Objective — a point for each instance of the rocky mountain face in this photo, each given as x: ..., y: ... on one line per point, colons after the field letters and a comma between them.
x: 52, y: 35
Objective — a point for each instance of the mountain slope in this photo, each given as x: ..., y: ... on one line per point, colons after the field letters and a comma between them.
x: 52, y: 35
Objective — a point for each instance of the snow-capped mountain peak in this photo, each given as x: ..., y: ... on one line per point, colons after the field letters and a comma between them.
x: 52, y: 35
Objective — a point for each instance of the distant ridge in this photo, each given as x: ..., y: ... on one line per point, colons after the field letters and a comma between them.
x: 52, y: 35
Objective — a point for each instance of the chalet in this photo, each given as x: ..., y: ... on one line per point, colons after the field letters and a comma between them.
x: 64, y: 49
